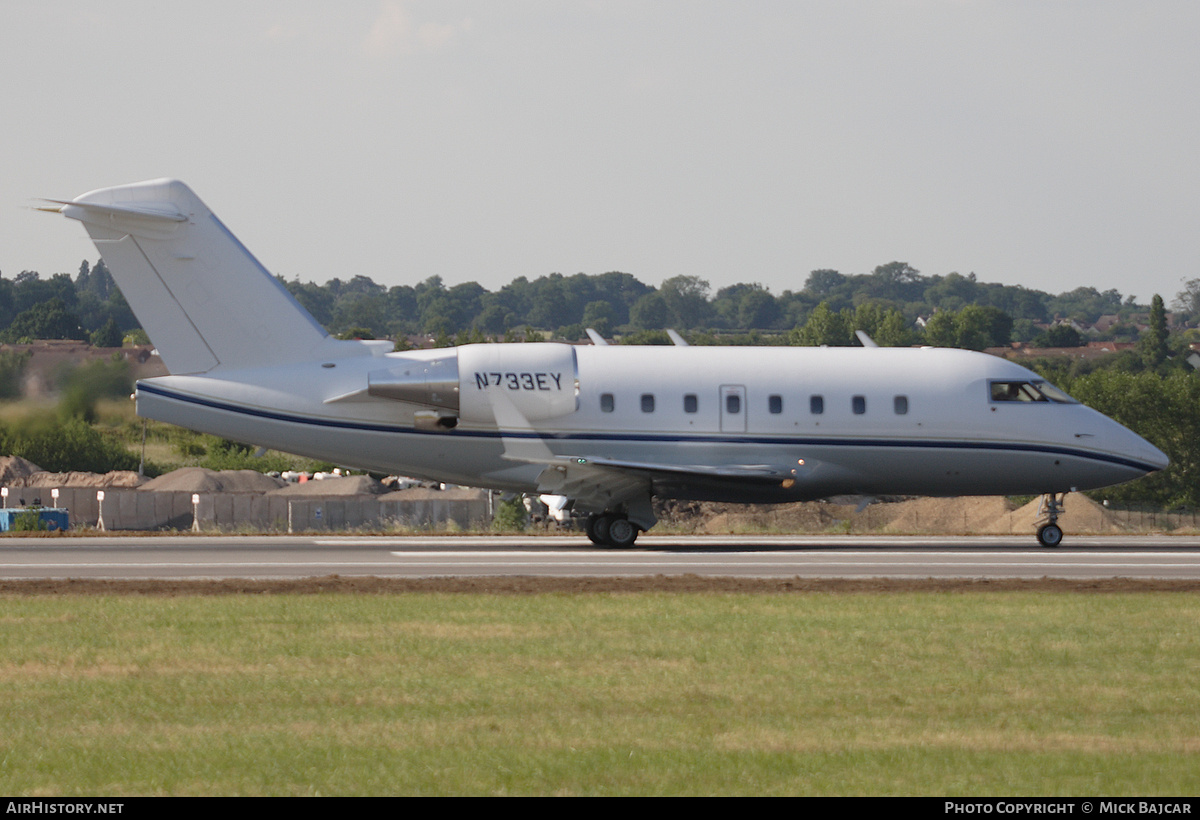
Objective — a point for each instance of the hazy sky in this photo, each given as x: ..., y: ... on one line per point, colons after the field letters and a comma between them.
x: 1051, y: 144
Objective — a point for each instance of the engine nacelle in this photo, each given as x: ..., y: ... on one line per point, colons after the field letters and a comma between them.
x: 505, y: 383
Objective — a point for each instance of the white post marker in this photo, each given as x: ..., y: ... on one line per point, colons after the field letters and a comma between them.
x: 4, y: 496
x: 195, y: 512
x: 100, y: 506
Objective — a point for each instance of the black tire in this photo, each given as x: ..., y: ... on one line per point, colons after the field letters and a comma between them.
x: 597, y: 529
x: 1050, y: 535
x: 622, y: 533
x: 590, y: 528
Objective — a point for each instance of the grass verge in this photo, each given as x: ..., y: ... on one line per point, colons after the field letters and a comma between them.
x: 601, y: 694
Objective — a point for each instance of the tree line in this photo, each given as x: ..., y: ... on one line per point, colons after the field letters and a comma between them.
x: 894, y: 301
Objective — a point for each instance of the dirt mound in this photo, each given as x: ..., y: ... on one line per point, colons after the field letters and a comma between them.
x: 13, y: 468
x: 990, y: 515
x: 116, y: 478
x: 202, y: 480
x: 345, y: 485
x: 812, y: 516
x: 982, y: 515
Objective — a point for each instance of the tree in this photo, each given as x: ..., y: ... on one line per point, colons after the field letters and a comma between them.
x: 1063, y: 335
x: 49, y: 320
x: 825, y: 327
x: 1188, y: 300
x: 952, y: 292
x: 822, y: 283
x: 493, y: 319
x: 897, y: 280
x: 1153, y: 344
x: 941, y: 330
x: 981, y: 326
x: 686, y: 297
x: 650, y: 312
x: 887, y: 327
x: 598, y: 316
x: 972, y: 328
x: 758, y: 309
x: 109, y: 335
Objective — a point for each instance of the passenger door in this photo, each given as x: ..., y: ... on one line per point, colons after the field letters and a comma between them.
x: 733, y: 408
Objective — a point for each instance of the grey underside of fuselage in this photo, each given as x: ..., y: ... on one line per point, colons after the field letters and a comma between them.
x: 493, y: 460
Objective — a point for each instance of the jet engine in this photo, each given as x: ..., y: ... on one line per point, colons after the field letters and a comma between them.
x: 504, y: 384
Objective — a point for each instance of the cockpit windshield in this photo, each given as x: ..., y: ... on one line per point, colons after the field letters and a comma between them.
x: 1029, y: 391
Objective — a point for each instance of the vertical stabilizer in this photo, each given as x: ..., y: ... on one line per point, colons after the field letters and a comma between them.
x: 205, y: 301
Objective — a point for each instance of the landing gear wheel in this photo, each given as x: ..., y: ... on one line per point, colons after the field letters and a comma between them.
x: 1050, y: 535
x: 622, y: 533
x: 597, y: 529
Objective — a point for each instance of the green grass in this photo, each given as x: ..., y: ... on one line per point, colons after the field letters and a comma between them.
x: 602, y: 694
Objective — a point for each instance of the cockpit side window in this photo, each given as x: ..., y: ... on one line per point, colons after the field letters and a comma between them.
x: 1028, y: 391
x: 1054, y: 394
x: 1015, y: 391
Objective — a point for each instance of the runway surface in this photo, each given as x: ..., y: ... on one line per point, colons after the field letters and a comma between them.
x: 291, y: 557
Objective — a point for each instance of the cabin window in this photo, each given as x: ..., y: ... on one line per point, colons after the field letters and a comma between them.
x: 690, y: 403
x: 647, y: 402
x: 900, y: 403
x: 816, y: 405
x: 859, y: 405
x: 733, y: 403
x: 775, y: 404
x: 606, y: 402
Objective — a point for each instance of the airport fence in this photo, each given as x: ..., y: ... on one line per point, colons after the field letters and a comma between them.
x: 131, y: 509
x: 1143, y: 517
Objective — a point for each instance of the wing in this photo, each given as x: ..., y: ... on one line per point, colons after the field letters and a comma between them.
x: 602, y: 483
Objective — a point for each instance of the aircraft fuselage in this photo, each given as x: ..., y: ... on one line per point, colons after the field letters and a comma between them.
x: 814, y: 421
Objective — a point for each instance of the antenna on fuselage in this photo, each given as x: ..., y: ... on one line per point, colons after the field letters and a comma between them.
x: 866, y: 340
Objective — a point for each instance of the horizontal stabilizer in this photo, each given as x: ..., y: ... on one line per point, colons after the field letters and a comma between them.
x: 164, y: 213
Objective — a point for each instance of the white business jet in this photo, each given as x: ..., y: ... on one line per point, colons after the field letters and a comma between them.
x: 607, y: 426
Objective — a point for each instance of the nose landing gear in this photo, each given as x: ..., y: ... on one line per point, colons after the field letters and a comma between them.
x: 1049, y: 534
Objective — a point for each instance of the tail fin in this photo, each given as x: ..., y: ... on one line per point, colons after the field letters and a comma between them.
x: 205, y: 301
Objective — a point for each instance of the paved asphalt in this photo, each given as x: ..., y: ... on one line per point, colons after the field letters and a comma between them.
x: 289, y: 557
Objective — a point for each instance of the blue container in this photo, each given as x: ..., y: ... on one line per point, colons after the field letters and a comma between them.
x: 49, y: 518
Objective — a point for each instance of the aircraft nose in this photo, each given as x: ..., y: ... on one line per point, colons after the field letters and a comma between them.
x: 1131, y: 445
x: 1154, y: 456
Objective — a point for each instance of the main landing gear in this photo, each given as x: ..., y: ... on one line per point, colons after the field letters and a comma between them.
x: 611, y: 530
x: 1049, y: 534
